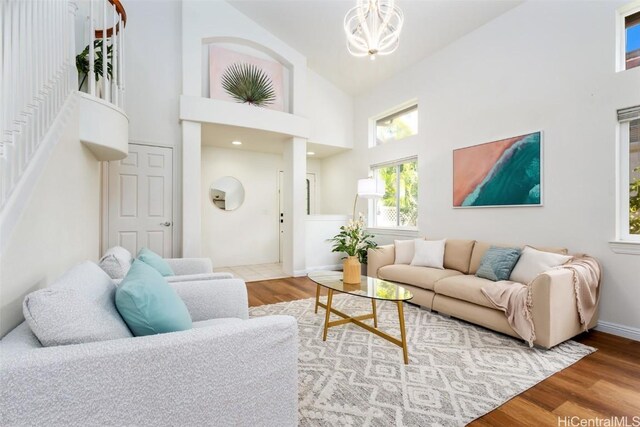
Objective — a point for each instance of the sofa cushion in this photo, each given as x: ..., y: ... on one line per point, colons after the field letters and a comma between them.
x: 497, y: 263
x: 116, y: 262
x: 466, y: 288
x: 404, y: 251
x: 428, y: 253
x: 481, y: 247
x: 60, y: 316
x: 457, y: 254
x: 533, y: 262
x: 154, y: 260
x: 148, y: 304
x: 422, y: 277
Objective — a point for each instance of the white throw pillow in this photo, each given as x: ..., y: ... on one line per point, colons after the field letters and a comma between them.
x: 116, y: 262
x: 405, y: 250
x: 533, y: 262
x: 429, y: 253
x: 66, y: 316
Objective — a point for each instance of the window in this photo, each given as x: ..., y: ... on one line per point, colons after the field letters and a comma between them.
x: 629, y: 27
x: 397, y: 126
x: 399, y: 205
x: 629, y: 170
x: 632, y: 40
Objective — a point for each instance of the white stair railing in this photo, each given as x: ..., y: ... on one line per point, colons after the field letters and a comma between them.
x: 37, y: 74
x: 107, y: 82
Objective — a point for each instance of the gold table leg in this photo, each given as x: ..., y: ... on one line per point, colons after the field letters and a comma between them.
x: 317, y: 298
x: 402, y: 343
x: 403, y: 334
x: 375, y: 314
x: 327, y: 315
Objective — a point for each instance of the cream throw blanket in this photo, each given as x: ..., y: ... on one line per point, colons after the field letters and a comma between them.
x: 515, y: 299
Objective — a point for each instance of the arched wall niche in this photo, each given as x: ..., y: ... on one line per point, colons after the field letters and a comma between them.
x: 254, y: 49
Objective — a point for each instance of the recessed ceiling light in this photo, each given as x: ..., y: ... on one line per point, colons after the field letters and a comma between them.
x: 236, y: 142
x: 310, y: 153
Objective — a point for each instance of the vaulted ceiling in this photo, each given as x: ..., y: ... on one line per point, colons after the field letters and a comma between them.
x: 315, y: 29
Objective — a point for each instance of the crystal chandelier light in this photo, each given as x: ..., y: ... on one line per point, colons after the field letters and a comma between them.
x: 373, y: 28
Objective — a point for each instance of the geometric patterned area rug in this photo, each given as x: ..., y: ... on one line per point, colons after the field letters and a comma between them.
x: 457, y: 371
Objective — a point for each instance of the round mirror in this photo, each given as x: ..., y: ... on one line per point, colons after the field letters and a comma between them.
x: 227, y: 193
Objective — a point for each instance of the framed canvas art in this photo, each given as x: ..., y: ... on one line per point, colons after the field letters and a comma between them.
x: 220, y: 59
x: 507, y: 172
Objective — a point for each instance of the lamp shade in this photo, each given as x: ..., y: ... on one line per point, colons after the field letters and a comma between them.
x: 368, y: 188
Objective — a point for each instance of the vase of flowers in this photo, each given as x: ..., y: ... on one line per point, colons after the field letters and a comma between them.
x: 353, y: 240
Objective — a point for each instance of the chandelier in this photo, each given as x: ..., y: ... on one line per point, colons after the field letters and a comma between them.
x: 373, y: 28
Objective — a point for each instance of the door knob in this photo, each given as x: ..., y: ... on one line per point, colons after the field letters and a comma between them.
x: 166, y: 223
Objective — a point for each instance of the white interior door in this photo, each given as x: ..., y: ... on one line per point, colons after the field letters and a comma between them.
x: 140, y: 200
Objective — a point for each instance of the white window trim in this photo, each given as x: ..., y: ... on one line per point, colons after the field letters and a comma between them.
x: 371, y: 208
x: 624, y: 242
x: 622, y: 13
x: 373, y: 120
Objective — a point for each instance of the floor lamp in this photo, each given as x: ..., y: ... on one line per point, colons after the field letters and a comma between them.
x: 367, y: 189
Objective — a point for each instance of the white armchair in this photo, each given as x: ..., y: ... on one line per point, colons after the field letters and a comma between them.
x: 224, y: 371
x: 117, y: 260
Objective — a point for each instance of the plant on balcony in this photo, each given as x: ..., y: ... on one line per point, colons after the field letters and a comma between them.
x: 248, y: 84
x: 82, y: 62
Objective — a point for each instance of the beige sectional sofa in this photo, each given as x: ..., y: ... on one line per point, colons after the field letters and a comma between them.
x: 456, y: 291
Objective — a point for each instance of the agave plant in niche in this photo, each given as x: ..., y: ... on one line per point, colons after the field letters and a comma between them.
x: 248, y: 84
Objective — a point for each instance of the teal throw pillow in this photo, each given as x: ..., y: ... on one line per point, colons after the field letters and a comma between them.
x: 154, y: 260
x: 497, y: 263
x: 148, y: 304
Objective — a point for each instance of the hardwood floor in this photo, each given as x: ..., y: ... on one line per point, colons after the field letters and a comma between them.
x: 604, y: 384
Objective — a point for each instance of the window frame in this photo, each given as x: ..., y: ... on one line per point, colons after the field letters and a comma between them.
x: 622, y: 182
x: 374, y: 202
x: 396, y: 111
x: 621, y: 38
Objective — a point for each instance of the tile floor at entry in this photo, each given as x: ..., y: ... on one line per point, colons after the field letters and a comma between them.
x: 255, y: 272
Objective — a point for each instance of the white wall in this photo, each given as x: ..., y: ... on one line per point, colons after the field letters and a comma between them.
x: 330, y: 113
x: 248, y: 235
x: 153, y: 82
x: 60, y: 226
x: 546, y: 66
x: 318, y: 230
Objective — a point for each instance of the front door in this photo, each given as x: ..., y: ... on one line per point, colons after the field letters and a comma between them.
x: 140, y: 200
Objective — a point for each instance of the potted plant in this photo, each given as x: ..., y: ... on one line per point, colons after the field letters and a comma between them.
x: 82, y: 62
x: 353, y: 240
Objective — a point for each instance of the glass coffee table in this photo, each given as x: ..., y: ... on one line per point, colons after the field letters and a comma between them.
x: 369, y: 287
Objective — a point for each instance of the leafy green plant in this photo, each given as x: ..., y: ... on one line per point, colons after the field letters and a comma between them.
x: 82, y: 61
x: 634, y: 204
x: 354, y: 240
x: 248, y: 84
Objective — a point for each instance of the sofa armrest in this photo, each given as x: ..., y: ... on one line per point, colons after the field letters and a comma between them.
x: 184, y: 266
x: 199, y: 277
x: 379, y: 257
x: 554, y: 310
x: 201, y: 376
x: 213, y: 299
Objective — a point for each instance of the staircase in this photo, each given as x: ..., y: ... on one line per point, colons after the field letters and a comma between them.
x: 39, y: 83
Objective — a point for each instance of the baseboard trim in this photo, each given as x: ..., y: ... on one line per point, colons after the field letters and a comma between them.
x: 306, y: 271
x: 619, y: 330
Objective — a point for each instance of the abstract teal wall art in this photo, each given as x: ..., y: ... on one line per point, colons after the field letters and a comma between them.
x: 507, y: 172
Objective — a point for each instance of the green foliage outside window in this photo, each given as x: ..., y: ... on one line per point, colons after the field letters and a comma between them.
x: 407, y: 186
x: 634, y: 204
